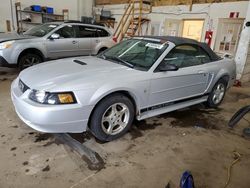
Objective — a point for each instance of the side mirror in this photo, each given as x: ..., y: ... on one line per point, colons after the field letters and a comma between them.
x: 54, y: 36
x: 167, y: 67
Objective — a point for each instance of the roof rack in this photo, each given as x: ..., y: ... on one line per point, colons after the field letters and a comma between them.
x: 77, y: 21
x: 73, y: 21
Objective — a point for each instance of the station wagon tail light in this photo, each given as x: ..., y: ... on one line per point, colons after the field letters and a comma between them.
x: 43, y: 97
x: 115, y: 39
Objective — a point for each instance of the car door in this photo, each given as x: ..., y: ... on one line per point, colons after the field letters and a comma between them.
x: 85, y: 35
x: 65, y: 46
x: 191, y: 79
x: 101, y: 40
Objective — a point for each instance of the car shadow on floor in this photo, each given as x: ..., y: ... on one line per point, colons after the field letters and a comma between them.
x: 196, y: 116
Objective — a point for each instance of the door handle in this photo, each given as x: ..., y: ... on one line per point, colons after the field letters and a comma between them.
x: 202, y: 72
x: 74, y: 41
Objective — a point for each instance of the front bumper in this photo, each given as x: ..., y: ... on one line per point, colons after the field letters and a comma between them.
x: 71, y: 118
x: 4, y: 63
x: 8, y: 58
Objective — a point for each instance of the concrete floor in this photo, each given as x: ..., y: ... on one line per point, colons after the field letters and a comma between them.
x: 153, y: 153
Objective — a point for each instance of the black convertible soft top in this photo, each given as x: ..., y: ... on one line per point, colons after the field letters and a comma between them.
x: 180, y: 40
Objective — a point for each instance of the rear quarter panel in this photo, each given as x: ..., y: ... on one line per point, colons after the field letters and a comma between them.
x: 221, y: 68
x: 103, y: 42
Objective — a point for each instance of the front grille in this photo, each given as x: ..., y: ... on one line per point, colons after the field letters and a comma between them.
x: 22, y: 86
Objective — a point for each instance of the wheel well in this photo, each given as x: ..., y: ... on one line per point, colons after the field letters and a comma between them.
x: 32, y: 51
x: 125, y: 93
x: 101, y: 49
x: 225, y: 78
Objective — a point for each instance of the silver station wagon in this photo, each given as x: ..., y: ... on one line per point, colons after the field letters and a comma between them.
x: 52, y: 41
x: 138, y: 78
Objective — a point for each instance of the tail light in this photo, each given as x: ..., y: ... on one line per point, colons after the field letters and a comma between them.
x: 115, y: 39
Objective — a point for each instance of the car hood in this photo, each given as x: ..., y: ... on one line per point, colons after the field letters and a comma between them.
x: 12, y: 36
x: 73, y: 75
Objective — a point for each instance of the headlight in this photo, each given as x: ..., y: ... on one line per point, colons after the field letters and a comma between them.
x: 52, y: 98
x: 7, y: 44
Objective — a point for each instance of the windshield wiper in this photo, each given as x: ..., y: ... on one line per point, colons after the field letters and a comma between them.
x: 120, y: 61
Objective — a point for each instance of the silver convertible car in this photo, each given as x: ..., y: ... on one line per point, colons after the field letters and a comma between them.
x: 138, y: 78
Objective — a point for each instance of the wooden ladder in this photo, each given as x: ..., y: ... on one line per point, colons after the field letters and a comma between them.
x: 133, y: 19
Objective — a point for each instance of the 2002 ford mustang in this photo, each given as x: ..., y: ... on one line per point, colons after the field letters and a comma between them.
x: 140, y: 77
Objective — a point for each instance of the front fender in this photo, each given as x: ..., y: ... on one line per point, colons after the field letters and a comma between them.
x: 138, y: 90
x: 19, y: 48
x: 105, y: 91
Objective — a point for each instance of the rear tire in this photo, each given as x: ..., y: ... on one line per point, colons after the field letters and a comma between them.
x: 28, y: 60
x: 112, y: 117
x: 217, y: 94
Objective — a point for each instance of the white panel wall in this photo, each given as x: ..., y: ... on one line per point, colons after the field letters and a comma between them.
x: 85, y: 7
x: 246, y: 73
x: 243, y: 46
x: 4, y: 14
x: 210, y: 12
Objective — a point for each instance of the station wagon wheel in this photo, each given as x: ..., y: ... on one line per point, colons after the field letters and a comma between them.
x: 218, y: 92
x: 112, y: 117
x: 28, y: 60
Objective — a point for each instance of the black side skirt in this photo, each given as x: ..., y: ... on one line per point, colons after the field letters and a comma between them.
x: 163, y: 105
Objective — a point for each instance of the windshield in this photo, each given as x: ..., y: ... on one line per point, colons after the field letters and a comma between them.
x: 136, y: 53
x: 41, y: 30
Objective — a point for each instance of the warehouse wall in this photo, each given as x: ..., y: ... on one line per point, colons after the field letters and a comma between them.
x: 76, y: 8
x: 242, y: 57
x: 4, y: 14
x: 85, y: 8
x: 210, y: 12
x: 246, y: 72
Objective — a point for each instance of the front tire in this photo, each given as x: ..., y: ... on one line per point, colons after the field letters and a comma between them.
x: 217, y: 95
x: 112, y: 117
x: 28, y: 60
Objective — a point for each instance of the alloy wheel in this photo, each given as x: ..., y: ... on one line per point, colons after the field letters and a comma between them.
x: 29, y: 61
x: 115, y: 118
x: 218, y: 93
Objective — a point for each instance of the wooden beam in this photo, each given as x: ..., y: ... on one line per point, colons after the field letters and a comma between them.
x: 8, y: 27
x: 165, y: 2
x: 93, y: 159
x: 191, y: 5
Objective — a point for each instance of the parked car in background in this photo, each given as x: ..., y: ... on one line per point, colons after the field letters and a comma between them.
x: 52, y: 41
x: 137, y: 78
